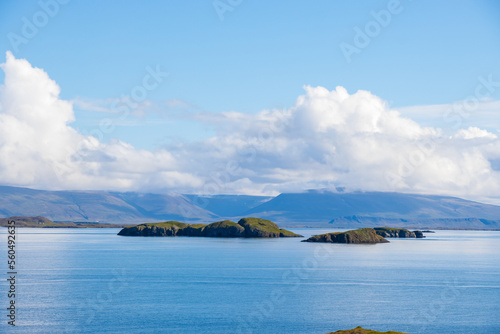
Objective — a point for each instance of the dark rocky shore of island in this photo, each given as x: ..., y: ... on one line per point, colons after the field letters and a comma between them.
x: 365, y: 235
x: 391, y: 232
x: 244, y: 228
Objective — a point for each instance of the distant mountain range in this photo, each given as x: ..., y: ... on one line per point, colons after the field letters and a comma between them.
x: 95, y: 206
x: 312, y: 208
x: 362, y: 209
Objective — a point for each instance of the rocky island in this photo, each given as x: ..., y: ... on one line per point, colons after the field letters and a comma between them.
x: 365, y: 235
x: 391, y: 232
x: 360, y: 236
x: 245, y: 228
x: 360, y: 330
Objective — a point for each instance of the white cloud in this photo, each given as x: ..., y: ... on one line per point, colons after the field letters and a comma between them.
x: 39, y: 149
x: 460, y: 114
x: 332, y: 138
x: 166, y: 108
x: 326, y: 139
x: 474, y: 132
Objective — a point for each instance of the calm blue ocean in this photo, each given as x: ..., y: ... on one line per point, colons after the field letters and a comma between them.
x: 93, y: 281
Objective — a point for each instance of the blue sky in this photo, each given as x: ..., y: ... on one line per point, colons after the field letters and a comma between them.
x: 259, y: 57
x: 262, y: 53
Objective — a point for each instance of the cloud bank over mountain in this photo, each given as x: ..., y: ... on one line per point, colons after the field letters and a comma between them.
x: 327, y: 139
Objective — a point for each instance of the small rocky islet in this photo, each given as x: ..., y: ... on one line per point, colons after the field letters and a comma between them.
x: 244, y: 228
x: 360, y: 330
x: 391, y: 232
x: 365, y: 235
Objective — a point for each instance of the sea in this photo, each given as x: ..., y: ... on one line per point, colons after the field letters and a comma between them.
x: 94, y: 281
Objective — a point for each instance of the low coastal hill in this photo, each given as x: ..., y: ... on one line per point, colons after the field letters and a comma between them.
x: 43, y: 222
x: 37, y: 221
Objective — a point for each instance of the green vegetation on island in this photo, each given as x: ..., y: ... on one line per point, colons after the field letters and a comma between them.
x: 223, y: 229
x: 262, y: 228
x: 360, y: 330
x: 360, y: 236
x: 245, y: 228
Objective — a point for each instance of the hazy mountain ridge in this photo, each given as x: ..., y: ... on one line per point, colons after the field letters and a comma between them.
x: 313, y: 208
x: 361, y: 221
x: 228, y: 205
x: 102, y: 206
x: 316, y: 206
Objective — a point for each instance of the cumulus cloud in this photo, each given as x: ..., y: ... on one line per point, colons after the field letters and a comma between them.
x: 327, y: 139
x: 474, y: 132
x: 38, y: 147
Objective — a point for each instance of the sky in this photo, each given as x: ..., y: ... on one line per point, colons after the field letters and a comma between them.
x: 251, y: 97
